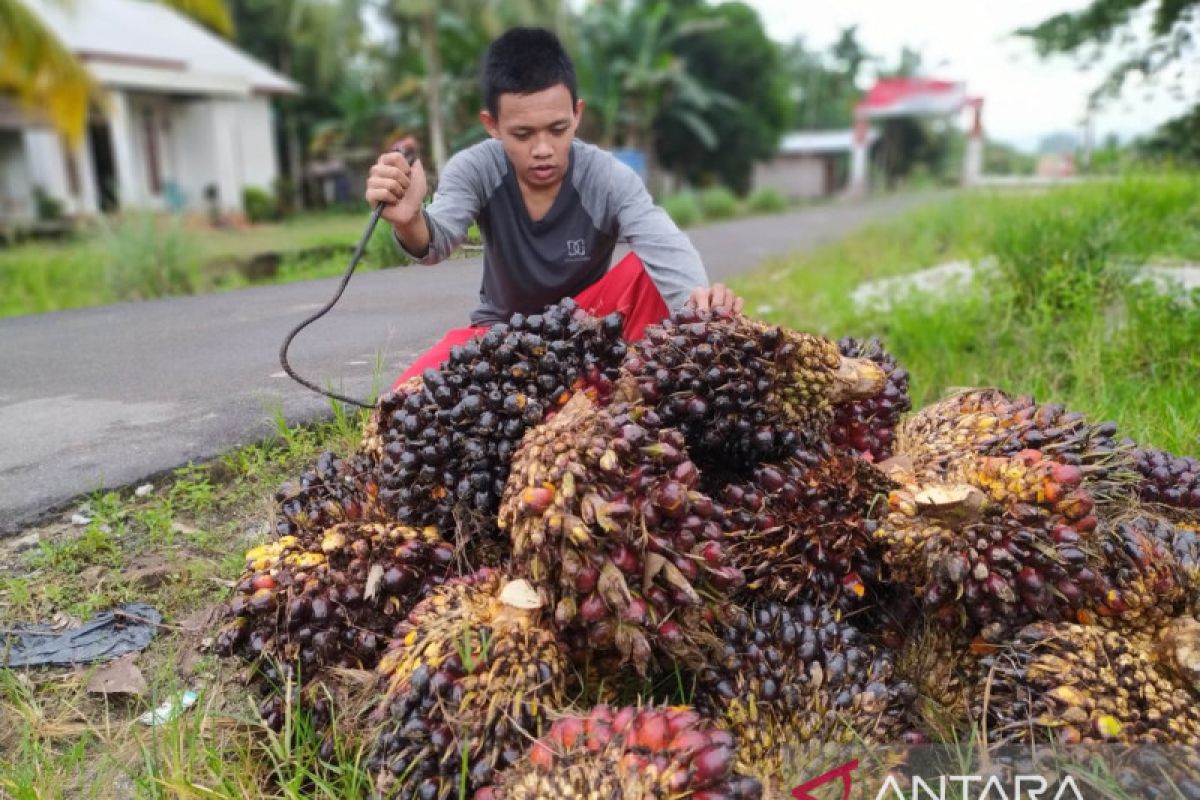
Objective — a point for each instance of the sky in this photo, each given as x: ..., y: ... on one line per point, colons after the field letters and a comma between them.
x: 1025, y: 97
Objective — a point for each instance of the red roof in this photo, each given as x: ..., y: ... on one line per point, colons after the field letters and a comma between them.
x: 896, y: 97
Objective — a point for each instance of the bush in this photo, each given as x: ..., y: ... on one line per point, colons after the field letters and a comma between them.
x: 49, y: 208
x: 683, y: 207
x: 718, y: 203
x: 149, y: 257
x: 767, y: 200
x: 259, y: 205
x: 285, y: 196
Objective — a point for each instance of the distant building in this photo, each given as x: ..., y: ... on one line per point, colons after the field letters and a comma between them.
x: 809, y: 163
x: 1055, y: 165
x: 186, y: 121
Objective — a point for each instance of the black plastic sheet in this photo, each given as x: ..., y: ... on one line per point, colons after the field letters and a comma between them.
x: 125, y: 629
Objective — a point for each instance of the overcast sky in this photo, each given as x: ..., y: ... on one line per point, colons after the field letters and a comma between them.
x: 1024, y: 96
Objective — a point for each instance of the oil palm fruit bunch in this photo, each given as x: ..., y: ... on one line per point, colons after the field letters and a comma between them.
x: 380, y: 417
x: 605, y: 520
x: 868, y: 426
x: 943, y: 666
x: 1142, y: 574
x: 787, y: 677
x: 446, y: 446
x: 303, y: 606
x: 1169, y: 480
x: 803, y: 527
x: 1003, y: 542
x: 335, y: 490
x: 472, y: 677
x: 1082, y: 683
x: 741, y: 390
x: 647, y: 753
x: 990, y: 422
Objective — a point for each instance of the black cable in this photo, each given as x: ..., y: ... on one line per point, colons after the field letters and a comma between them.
x: 410, y: 156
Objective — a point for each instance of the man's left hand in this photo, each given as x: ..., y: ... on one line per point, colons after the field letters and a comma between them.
x: 714, y: 297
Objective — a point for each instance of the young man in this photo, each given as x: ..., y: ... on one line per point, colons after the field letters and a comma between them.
x: 550, y: 208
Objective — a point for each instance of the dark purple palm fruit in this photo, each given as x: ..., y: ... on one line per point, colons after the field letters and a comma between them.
x: 473, y: 677
x: 741, y: 391
x: 1071, y: 683
x: 788, y: 676
x: 1003, y: 541
x: 1169, y: 480
x: 445, y: 447
x: 335, y: 490
x: 868, y: 426
x: 299, y: 608
x: 803, y: 528
x: 605, y: 518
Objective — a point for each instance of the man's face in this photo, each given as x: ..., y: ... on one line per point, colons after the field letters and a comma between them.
x: 536, y: 131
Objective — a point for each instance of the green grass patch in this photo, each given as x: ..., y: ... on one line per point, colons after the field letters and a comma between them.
x: 140, y: 256
x: 177, y: 549
x: 1059, y: 317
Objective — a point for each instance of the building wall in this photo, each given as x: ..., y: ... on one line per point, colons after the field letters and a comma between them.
x: 228, y: 143
x: 798, y: 177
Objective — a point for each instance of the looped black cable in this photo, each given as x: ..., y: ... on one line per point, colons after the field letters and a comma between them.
x: 409, y: 156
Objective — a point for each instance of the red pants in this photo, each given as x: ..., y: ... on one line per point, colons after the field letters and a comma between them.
x: 625, y: 288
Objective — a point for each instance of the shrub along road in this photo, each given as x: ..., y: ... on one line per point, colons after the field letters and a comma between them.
x: 100, y: 398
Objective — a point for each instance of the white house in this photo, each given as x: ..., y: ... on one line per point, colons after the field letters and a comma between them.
x: 184, y: 113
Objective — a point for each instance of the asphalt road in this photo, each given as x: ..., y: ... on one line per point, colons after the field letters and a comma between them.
x: 101, y: 398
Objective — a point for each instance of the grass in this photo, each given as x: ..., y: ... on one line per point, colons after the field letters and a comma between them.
x: 60, y: 741
x: 1059, y: 317
x: 139, y: 257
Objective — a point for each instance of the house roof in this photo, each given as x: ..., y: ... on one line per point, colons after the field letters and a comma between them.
x: 836, y: 141
x: 901, y: 97
x: 142, y: 44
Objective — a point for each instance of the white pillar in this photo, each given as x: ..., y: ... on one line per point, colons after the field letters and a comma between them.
x: 120, y: 127
x: 858, y: 158
x: 973, y: 157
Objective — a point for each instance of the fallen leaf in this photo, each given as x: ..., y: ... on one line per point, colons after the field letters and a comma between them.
x: 118, y: 677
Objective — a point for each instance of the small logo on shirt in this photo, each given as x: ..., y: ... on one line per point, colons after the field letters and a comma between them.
x: 576, y: 248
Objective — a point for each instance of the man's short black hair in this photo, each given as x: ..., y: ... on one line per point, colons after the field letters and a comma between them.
x: 524, y: 61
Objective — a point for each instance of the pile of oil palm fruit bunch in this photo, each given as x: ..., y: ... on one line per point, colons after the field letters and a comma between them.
x: 690, y: 565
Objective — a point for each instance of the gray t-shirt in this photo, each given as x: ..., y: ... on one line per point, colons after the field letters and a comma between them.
x: 528, y: 265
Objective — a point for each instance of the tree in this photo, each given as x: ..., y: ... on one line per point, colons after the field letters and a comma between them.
x: 314, y: 42
x: 43, y: 74
x: 824, y: 86
x: 1177, y: 140
x: 1105, y: 23
x: 732, y: 57
x: 629, y: 72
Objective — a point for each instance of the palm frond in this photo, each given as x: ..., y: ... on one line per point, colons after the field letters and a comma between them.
x: 213, y: 14
x: 41, y: 72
